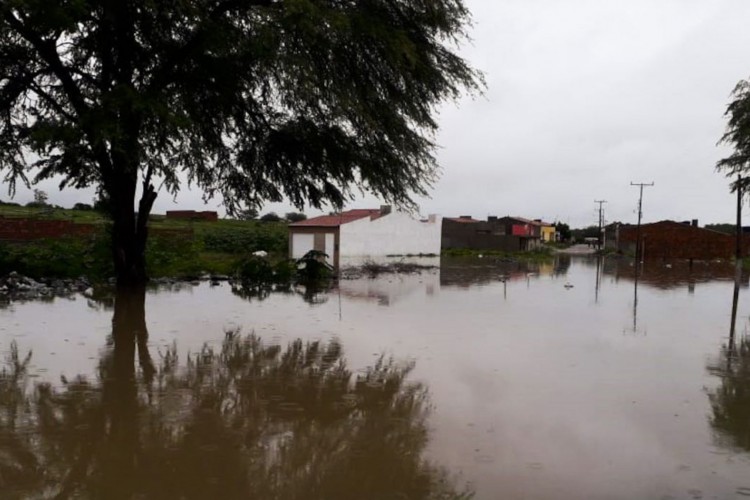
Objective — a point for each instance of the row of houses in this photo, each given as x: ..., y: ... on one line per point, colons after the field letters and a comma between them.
x: 373, y: 233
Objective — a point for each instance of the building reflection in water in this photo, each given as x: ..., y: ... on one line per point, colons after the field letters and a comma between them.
x: 243, y: 420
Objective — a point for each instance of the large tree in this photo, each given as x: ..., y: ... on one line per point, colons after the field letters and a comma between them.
x: 250, y: 100
x: 737, y: 134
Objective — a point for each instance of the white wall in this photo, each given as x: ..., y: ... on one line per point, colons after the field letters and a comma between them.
x: 330, y: 251
x: 301, y: 244
x: 393, y: 234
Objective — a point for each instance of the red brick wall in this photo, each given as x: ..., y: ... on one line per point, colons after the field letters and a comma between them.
x: 21, y: 229
x: 672, y: 240
x: 192, y: 214
x: 36, y: 229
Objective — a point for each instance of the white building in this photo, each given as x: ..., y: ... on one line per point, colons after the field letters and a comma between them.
x: 365, y: 234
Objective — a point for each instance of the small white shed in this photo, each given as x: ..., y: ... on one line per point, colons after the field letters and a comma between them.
x: 365, y: 233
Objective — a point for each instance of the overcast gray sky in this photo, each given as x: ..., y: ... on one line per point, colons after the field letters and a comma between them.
x: 583, y: 97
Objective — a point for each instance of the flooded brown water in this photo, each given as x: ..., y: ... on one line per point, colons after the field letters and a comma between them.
x: 497, y: 380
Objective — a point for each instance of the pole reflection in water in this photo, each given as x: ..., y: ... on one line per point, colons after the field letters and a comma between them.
x: 597, y: 284
x: 635, y: 299
x: 735, y: 300
x: 242, y: 420
x: 730, y: 401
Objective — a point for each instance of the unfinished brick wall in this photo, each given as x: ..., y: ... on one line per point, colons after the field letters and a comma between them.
x: 22, y: 229
x: 673, y: 240
x: 207, y: 215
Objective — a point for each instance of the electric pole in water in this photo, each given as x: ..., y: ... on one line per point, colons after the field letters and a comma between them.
x: 640, y: 214
x: 601, y: 222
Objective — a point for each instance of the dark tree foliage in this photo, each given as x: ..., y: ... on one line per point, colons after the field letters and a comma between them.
x: 270, y: 217
x: 247, y: 214
x: 295, y: 217
x: 564, y: 231
x: 83, y: 206
x: 737, y: 135
x: 722, y: 228
x: 250, y: 100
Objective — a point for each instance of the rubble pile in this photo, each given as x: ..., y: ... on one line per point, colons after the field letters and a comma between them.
x: 16, y: 286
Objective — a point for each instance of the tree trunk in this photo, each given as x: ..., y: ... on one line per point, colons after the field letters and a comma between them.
x: 130, y: 230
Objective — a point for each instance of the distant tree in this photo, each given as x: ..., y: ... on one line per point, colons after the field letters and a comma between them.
x: 254, y: 100
x: 247, y: 214
x: 295, y: 217
x: 722, y: 228
x: 82, y: 206
x: 737, y: 135
x: 564, y: 231
x: 270, y: 217
x: 40, y: 199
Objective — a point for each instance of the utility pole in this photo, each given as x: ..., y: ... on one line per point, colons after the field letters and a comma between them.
x: 737, y: 262
x: 601, y: 222
x: 641, y: 185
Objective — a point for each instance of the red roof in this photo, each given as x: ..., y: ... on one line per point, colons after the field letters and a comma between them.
x: 338, y: 219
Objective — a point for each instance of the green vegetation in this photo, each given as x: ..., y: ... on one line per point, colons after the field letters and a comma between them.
x: 177, y: 248
x: 60, y: 258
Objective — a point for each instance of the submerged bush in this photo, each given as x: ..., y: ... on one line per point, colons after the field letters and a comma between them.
x: 255, y: 270
x: 312, y: 267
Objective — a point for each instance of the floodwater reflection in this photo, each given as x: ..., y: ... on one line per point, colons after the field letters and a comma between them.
x: 244, y: 419
x: 730, y: 402
x: 536, y: 387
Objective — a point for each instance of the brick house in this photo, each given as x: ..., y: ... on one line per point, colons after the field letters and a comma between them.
x: 529, y: 231
x: 470, y: 233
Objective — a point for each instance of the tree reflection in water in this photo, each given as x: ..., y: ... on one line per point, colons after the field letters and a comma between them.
x: 246, y: 420
x: 730, y: 402
x: 312, y: 293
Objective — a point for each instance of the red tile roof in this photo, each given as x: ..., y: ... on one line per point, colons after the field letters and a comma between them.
x: 338, y: 219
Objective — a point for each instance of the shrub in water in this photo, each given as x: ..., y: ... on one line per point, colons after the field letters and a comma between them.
x: 312, y: 267
x: 284, y: 271
x: 255, y: 270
